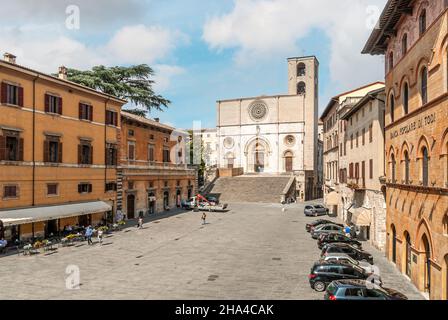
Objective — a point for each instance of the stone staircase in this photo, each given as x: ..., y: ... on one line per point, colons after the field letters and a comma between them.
x: 263, y: 189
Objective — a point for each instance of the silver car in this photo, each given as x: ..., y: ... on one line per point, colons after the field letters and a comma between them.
x: 335, y: 257
x: 327, y: 228
x: 314, y: 210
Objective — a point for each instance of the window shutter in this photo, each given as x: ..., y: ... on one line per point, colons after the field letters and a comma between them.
x: 107, y: 117
x: 20, y: 92
x: 80, y: 111
x: 60, y: 105
x: 60, y: 152
x: 4, y: 92
x: 91, y: 113
x: 91, y: 155
x: 2, y: 147
x: 90, y: 188
x: 79, y: 188
x: 79, y: 154
x: 21, y: 143
x: 47, y: 103
x: 46, y: 151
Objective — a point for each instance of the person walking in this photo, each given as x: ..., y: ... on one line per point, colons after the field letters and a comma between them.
x: 89, y: 233
x: 204, y: 217
x: 140, y: 222
x: 100, y: 236
x: 347, y: 230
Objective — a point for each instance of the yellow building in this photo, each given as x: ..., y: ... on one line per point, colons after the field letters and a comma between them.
x: 58, y: 152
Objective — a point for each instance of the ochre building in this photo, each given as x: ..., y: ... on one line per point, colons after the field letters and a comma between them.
x: 413, y: 36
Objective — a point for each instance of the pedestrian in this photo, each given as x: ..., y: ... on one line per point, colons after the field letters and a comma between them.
x: 347, y: 230
x: 353, y: 232
x: 100, y: 235
x: 204, y: 217
x: 88, y: 235
x: 140, y: 222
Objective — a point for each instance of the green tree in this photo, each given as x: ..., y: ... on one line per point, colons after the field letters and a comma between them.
x: 132, y: 83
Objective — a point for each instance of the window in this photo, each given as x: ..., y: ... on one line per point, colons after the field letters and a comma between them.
x: 10, y: 192
x: 131, y: 151
x: 11, y: 146
x: 404, y: 44
x: 178, y: 183
x: 422, y: 22
x: 301, y: 88
x: 391, y: 61
x: 392, y: 108
x: 111, y: 154
x: 85, y: 152
x: 165, y: 184
x: 131, y: 133
x: 111, y: 186
x: 357, y: 170
x: 445, y: 225
x: 85, y: 112
x: 371, y: 133
x: 151, y: 152
x: 131, y: 185
x: 53, y: 104
x: 393, y: 165
x: 151, y: 137
x: 85, y: 188
x: 425, y: 167
x: 301, y: 69
x: 345, y: 148
x: 407, y: 162
x: 11, y: 94
x: 111, y: 118
x: 406, y: 98
x: 424, y: 85
x: 52, y: 150
x: 371, y: 169
x: 357, y: 139
x: 351, y: 141
x: 52, y: 189
x: 363, y: 136
x: 166, y: 155
x: 340, y: 150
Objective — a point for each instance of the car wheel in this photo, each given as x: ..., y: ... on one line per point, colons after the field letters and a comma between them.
x: 319, y: 286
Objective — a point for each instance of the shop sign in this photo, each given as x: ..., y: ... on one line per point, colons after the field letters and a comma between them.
x: 414, y: 125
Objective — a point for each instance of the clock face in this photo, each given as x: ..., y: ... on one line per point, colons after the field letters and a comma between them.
x: 258, y: 110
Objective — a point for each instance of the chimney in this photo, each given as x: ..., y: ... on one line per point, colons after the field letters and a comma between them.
x: 8, y: 57
x: 157, y: 119
x: 62, y: 73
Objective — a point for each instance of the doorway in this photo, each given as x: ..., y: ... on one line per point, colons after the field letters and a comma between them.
x: 166, y: 200
x: 178, y: 198
x: 151, y: 203
x: 288, y: 163
x: 131, y: 206
x: 259, y: 162
x: 51, y: 228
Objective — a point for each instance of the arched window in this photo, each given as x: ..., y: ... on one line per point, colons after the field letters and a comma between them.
x: 445, y: 225
x: 392, y: 108
x: 407, y: 162
x: 425, y: 167
x: 424, y: 85
x: 422, y: 22
x: 393, y: 165
x: 408, y: 254
x: 404, y: 44
x: 301, y: 69
x: 394, y: 244
x: 406, y: 98
x: 391, y: 61
x: 301, y: 88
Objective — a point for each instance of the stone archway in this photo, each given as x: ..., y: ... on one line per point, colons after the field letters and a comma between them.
x: 257, y: 153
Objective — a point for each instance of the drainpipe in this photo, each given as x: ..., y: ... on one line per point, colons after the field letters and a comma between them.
x: 105, y: 155
x: 34, y: 143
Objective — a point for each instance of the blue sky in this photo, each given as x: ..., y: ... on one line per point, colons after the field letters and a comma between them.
x: 201, y: 50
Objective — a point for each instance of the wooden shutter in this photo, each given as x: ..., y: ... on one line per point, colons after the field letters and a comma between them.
x: 79, y: 153
x: 20, y: 97
x: 2, y: 147
x: 60, y: 105
x: 90, y: 188
x: 46, y: 151
x: 60, y: 152
x: 79, y: 188
x: 20, y: 155
x: 115, y: 115
x: 80, y: 111
x: 4, y: 93
x: 47, y: 103
x: 108, y: 121
x: 91, y: 155
x: 91, y: 113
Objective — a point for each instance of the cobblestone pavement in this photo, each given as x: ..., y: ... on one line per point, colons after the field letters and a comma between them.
x: 254, y: 251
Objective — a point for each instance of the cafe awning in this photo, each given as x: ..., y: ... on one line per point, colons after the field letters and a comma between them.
x: 360, y: 216
x: 332, y: 199
x: 38, y: 214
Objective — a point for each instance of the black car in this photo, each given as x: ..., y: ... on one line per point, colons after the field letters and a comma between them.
x: 324, y: 273
x: 316, y: 223
x: 348, y: 249
x: 358, y: 290
x: 337, y: 238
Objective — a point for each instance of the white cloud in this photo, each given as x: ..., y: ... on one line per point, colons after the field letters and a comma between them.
x: 262, y: 29
x: 164, y: 76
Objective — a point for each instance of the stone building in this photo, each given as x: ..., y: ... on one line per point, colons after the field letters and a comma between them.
x: 275, y: 134
x: 413, y: 36
x: 54, y: 137
x: 361, y: 161
x: 153, y: 174
x: 333, y: 143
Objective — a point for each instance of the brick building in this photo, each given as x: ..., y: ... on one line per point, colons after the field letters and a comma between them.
x: 413, y: 36
x: 154, y: 174
x: 54, y: 136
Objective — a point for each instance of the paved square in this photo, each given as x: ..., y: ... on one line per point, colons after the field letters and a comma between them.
x: 254, y: 251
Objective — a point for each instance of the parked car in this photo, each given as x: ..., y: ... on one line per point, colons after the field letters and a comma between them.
x: 326, y: 228
x: 335, y: 257
x: 353, y: 252
x: 212, y: 199
x: 358, y: 290
x: 324, y: 273
x: 315, y: 224
x: 337, y: 237
x: 314, y: 210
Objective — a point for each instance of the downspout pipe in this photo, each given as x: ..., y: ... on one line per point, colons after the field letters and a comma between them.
x: 34, y: 142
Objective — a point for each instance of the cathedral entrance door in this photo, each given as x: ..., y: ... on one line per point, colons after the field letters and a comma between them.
x: 259, y: 162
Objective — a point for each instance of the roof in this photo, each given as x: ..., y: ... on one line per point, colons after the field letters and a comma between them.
x: 144, y: 120
x: 61, y: 81
x: 370, y: 96
x: 377, y: 42
x: 336, y: 98
x: 38, y: 214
